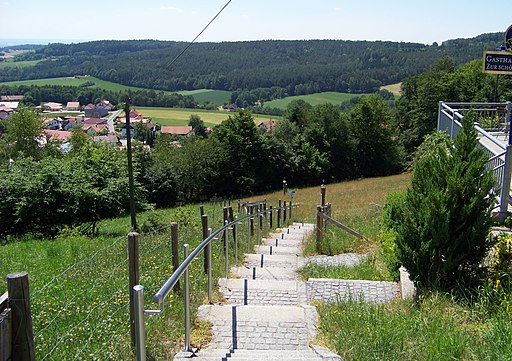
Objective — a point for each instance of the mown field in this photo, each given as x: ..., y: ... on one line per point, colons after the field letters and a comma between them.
x: 18, y: 64
x: 393, y: 88
x: 313, y: 99
x: 177, y: 116
x: 202, y: 96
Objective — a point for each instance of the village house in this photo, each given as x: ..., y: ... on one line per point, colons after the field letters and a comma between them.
x: 92, y: 111
x: 105, y: 104
x: 57, y: 135
x: 52, y: 107
x: 109, y: 139
x: 268, y: 126
x: 11, y: 98
x: 5, y: 112
x: 73, y: 106
x: 176, y: 129
x: 11, y: 105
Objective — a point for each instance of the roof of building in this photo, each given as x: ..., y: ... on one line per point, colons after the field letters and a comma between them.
x: 10, y: 98
x: 175, y: 129
x: 59, y: 135
x: 12, y: 105
x: 73, y: 105
x: 96, y: 127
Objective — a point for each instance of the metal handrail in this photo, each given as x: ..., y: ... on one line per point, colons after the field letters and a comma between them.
x: 182, y: 270
x: 500, y: 154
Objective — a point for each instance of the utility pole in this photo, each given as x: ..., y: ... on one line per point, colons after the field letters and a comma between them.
x: 130, y: 163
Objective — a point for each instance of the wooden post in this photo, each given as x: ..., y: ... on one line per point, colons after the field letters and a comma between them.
x: 175, y: 251
x: 231, y: 218
x: 322, y: 192
x: 279, y: 215
x: 22, y: 340
x: 284, y: 213
x: 129, y: 151
x: 133, y: 275
x: 204, y: 223
x: 319, y: 228
x: 5, y: 329
x: 271, y: 217
x: 291, y: 212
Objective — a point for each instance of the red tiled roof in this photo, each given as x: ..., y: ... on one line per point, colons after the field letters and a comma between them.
x: 174, y: 129
x: 60, y: 135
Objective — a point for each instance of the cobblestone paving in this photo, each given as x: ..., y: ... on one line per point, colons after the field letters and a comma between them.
x: 329, y: 290
x: 346, y: 259
x: 267, y: 316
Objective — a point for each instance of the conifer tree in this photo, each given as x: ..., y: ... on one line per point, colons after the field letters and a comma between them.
x: 443, y: 224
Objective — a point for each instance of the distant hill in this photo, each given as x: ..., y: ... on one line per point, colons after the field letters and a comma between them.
x: 280, y: 68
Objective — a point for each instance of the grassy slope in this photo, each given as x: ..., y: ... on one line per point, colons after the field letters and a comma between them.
x: 393, y: 88
x: 218, y: 97
x: 176, y: 116
x: 313, y: 99
x: 438, y: 328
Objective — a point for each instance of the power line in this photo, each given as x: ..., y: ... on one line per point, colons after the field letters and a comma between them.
x: 198, y: 35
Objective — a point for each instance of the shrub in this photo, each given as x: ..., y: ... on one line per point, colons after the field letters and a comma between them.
x: 443, y: 224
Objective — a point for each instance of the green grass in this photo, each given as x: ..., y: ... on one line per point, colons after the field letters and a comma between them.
x: 71, y: 81
x: 178, y: 116
x: 313, y: 99
x: 18, y: 64
x: 202, y: 96
x: 366, y: 270
x: 437, y: 328
x: 78, y: 285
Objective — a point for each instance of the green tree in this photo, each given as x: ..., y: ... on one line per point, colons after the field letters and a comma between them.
x: 244, y: 154
x: 443, y: 223
x: 197, y: 125
x: 78, y: 140
x: 328, y: 132
x: 298, y: 112
x: 23, y: 132
x: 372, y: 126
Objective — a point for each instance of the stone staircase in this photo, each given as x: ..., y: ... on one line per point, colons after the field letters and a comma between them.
x: 267, y: 316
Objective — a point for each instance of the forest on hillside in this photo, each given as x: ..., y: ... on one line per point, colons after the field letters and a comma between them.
x: 281, y: 68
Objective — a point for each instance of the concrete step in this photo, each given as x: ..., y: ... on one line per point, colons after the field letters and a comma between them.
x: 266, y: 273
x: 281, y: 261
x: 279, y: 250
x: 281, y: 242
x: 311, y: 354
x: 260, y: 327
x: 260, y: 292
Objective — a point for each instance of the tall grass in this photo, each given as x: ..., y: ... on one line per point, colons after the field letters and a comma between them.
x: 79, y: 285
x: 438, y: 328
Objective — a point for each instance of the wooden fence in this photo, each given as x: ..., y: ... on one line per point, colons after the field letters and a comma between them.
x: 324, y: 217
x: 16, y: 332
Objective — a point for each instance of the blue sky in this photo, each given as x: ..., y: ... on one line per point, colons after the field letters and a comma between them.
x: 396, y: 20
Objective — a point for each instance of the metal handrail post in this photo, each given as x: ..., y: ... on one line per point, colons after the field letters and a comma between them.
x: 187, y: 301
x: 291, y: 207
x: 226, y: 250
x: 209, y: 247
x: 248, y: 234
x: 259, y: 229
x: 235, y: 240
x: 140, y: 330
